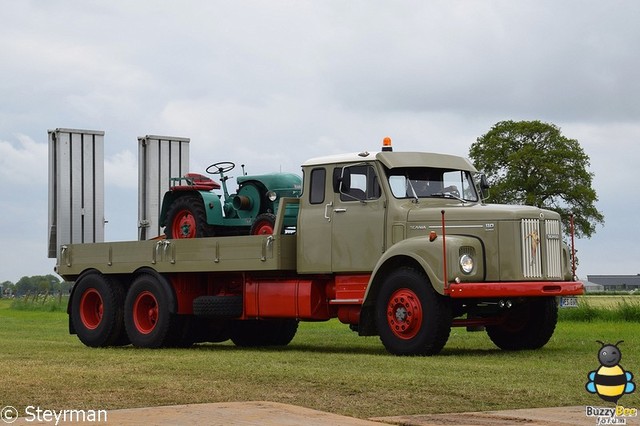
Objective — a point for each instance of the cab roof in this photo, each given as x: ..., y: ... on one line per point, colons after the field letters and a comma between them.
x: 397, y: 159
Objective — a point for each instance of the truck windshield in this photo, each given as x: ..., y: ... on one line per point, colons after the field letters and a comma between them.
x: 422, y: 182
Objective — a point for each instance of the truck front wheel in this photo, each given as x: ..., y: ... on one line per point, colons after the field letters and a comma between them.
x: 527, y: 326
x: 412, y: 318
x: 147, y: 318
x: 97, y: 311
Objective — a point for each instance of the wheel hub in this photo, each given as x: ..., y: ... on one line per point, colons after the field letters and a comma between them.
x: 145, y: 312
x: 91, y: 309
x: 404, y: 314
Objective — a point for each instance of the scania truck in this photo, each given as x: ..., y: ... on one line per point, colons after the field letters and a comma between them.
x: 393, y: 244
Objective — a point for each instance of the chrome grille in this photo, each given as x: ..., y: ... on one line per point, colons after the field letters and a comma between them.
x: 531, y: 256
x: 553, y: 248
x: 537, y: 244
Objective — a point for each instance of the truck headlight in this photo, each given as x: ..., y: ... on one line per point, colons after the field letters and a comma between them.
x: 466, y: 263
x: 272, y: 196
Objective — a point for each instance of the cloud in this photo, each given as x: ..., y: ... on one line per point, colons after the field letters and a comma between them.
x: 121, y: 170
x: 270, y: 85
x: 26, y: 164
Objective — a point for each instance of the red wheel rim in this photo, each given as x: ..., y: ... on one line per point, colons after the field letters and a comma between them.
x: 184, y: 225
x: 404, y: 314
x: 145, y: 312
x: 91, y: 309
x: 264, y: 228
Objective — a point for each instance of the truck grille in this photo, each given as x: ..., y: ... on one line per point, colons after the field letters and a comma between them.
x: 537, y: 245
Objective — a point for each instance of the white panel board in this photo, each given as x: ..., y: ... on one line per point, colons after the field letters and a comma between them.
x: 76, y: 187
x: 160, y: 158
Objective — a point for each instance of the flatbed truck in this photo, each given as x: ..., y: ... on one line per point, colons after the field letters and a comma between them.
x: 398, y: 245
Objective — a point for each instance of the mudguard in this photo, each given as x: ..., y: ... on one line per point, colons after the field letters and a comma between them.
x: 421, y: 252
x: 212, y: 205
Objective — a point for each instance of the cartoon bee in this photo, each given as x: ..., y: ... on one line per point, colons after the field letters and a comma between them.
x: 610, y: 381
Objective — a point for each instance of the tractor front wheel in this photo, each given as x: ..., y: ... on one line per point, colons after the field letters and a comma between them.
x: 264, y: 224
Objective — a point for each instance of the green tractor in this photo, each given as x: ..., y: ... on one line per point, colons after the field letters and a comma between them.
x: 190, y: 209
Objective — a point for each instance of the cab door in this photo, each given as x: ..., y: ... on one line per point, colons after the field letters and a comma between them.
x: 357, y: 218
x: 314, y: 221
x: 342, y: 219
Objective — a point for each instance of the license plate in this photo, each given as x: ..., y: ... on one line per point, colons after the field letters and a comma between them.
x: 568, y: 302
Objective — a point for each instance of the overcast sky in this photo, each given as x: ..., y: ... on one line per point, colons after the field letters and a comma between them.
x: 270, y: 84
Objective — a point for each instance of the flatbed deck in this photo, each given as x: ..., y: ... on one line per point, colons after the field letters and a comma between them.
x: 213, y: 254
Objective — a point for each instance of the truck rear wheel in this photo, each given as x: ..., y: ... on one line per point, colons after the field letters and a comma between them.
x: 186, y: 218
x: 148, y: 320
x: 97, y: 311
x: 412, y: 318
x: 527, y: 326
x: 272, y: 332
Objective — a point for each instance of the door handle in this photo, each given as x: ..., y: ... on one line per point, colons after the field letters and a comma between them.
x: 326, y: 211
x: 339, y: 210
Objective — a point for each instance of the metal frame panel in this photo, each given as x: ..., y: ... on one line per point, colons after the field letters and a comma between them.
x: 76, y: 187
x: 160, y: 158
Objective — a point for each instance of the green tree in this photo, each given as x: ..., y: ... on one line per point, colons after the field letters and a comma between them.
x: 37, y: 284
x: 530, y: 162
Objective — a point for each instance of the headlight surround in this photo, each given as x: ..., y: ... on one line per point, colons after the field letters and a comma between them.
x: 466, y: 263
x: 272, y: 196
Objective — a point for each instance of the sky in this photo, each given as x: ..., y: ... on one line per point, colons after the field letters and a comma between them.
x: 271, y: 84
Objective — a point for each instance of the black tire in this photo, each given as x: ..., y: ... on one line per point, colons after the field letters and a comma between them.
x: 412, y: 318
x: 97, y: 307
x: 148, y: 318
x: 186, y: 218
x: 284, y: 334
x: 218, y: 306
x: 529, y: 325
x: 210, y: 330
x: 273, y: 332
x: 264, y: 224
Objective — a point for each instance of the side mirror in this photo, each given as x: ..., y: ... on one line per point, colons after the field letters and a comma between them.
x: 484, y: 186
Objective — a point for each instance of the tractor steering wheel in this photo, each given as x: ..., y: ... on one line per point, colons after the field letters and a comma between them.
x: 220, y: 168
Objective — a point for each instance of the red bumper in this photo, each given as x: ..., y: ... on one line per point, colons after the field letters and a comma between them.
x: 515, y: 289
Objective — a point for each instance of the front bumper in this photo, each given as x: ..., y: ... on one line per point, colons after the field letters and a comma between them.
x: 514, y: 289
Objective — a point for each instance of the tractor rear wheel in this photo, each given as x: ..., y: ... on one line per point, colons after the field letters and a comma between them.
x: 186, y: 218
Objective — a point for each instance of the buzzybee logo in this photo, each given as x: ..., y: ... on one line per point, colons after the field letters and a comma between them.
x: 610, y: 381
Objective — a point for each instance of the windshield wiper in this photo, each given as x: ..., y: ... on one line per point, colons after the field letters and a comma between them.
x: 413, y: 191
x: 448, y: 195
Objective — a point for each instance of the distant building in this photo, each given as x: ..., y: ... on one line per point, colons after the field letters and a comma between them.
x: 616, y: 282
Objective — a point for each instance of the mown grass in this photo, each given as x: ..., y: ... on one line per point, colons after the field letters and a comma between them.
x: 326, y: 367
x: 596, y: 308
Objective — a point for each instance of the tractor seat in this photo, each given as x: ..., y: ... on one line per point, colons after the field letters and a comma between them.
x: 195, y: 181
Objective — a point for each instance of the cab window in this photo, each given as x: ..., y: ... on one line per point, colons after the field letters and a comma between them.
x: 317, y: 186
x: 356, y: 183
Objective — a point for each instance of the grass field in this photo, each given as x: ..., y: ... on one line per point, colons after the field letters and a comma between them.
x: 326, y: 367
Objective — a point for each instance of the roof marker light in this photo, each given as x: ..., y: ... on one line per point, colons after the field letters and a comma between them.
x: 386, y: 144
